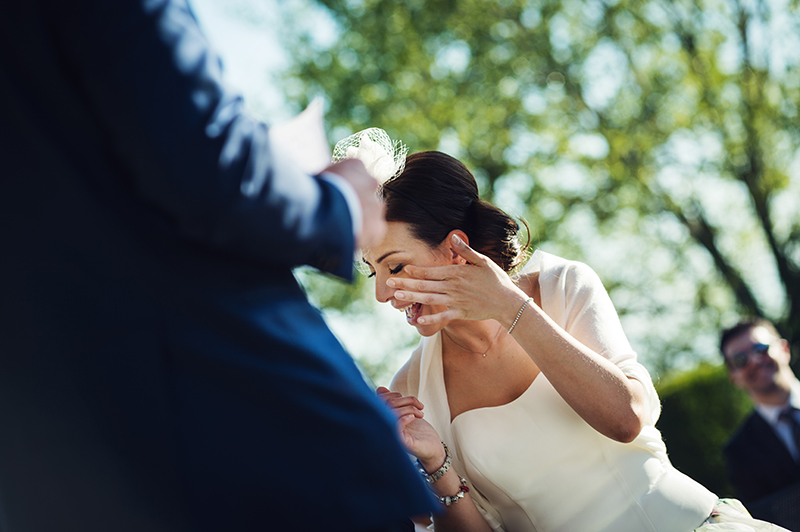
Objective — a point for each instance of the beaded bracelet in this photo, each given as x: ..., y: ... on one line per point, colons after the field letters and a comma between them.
x: 447, y: 501
x: 439, y: 473
x: 519, y: 314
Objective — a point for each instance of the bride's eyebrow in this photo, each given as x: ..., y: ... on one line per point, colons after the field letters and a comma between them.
x: 382, y: 257
x: 386, y: 255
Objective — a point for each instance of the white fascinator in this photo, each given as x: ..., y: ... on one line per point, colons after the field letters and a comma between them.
x: 383, y: 157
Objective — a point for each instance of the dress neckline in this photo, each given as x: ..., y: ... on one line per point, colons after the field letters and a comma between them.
x: 446, y: 396
x: 484, y: 408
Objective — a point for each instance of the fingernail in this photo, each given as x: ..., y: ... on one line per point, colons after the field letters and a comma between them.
x: 399, y: 295
x: 421, y: 320
x: 457, y: 240
x: 390, y: 282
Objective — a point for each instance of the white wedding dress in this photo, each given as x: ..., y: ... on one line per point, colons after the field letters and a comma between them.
x: 534, y: 464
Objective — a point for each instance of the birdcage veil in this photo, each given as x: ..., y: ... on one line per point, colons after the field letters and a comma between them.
x: 383, y: 157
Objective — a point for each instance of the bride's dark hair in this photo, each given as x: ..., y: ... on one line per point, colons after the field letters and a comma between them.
x: 436, y: 194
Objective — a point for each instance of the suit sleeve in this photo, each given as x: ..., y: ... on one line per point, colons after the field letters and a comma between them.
x: 184, y: 144
x: 750, y: 479
x: 740, y: 477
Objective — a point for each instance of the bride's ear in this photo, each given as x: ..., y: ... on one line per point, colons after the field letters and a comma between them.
x: 456, y: 258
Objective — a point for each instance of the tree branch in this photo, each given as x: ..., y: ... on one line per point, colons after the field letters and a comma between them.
x: 706, y: 235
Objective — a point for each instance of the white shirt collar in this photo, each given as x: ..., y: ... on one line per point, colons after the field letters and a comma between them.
x: 771, y: 412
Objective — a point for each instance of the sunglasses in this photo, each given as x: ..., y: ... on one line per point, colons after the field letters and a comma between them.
x: 741, y: 359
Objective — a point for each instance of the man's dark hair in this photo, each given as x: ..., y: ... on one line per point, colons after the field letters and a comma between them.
x: 744, y: 325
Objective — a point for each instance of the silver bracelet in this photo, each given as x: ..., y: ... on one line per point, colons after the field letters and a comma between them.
x: 447, y: 501
x: 439, y: 473
x: 519, y: 314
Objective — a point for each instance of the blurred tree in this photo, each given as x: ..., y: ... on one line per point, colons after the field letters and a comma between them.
x: 654, y: 140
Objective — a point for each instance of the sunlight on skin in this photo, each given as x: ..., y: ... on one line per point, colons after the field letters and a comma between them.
x: 389, y: 258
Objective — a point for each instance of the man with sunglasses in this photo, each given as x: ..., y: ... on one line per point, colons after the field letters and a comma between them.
x: 763, y: 456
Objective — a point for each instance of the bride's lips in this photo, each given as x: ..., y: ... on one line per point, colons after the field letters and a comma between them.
x: 412, y: 312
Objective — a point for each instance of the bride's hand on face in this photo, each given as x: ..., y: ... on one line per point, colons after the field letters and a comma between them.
x: 416, y: 434
x: 477, y: 290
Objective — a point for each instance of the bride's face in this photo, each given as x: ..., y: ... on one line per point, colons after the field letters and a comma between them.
x: 398, y: 249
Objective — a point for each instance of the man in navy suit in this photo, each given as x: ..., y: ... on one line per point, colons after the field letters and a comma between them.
x: 160, y: 368
x: 762, y: 456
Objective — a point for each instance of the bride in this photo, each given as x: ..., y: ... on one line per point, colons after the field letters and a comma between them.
x: 524, y: 403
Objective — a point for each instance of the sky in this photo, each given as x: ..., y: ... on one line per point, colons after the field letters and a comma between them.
x: 251, y: 55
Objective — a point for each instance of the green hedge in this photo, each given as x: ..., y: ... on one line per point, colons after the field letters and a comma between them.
x: 700, y: 411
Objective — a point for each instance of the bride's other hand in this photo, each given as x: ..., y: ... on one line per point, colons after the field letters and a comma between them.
x: 400, y: 404
x: 418, y: 436
x: 422, y: 440
x: 477, y: 290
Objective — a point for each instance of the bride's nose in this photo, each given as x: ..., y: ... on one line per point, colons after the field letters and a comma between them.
x: 382, y: 292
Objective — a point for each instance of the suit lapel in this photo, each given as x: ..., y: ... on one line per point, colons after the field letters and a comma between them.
x: 765, y: 438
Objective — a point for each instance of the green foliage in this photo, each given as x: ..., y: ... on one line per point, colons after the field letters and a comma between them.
x: 327, y: 291
x: 654, y: 140
x: 700, y: 411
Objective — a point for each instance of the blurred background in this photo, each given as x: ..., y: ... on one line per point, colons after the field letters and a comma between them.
x: 658, y: 141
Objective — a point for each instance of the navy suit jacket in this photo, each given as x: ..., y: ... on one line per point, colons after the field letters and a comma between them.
x: 160, y: 368
x: 759, y: 464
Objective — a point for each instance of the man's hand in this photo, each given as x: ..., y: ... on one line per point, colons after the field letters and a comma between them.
x: 373, y: 224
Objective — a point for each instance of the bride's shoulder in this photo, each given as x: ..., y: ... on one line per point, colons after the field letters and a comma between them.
x: 528, y: 282
x: 547, y: 275
x: 551, y: 268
